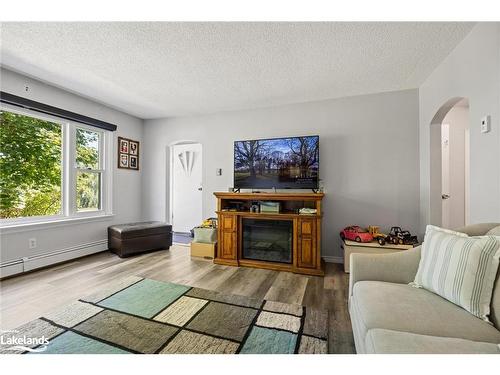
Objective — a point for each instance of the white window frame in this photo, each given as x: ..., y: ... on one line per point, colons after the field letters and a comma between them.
x: 69, y: 210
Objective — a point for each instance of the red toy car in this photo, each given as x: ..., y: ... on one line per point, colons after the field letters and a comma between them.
x: 355, y: 233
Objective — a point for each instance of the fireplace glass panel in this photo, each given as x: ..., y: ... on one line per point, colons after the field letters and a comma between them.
x: 268, y: 240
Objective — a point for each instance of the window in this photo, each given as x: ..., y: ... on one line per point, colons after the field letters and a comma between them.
x: 30, y: 166
x: 51, y: 168
x: 88, y: 174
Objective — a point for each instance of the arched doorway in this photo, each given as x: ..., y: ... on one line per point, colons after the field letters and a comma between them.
x: 449, y: 164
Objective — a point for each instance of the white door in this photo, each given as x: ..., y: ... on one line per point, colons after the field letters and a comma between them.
x: 466, y: 176
x: 445, y: 177
x: 186, y: 197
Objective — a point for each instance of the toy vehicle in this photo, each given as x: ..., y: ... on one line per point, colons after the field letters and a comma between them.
x: 398, y: 236
x: 380, y: 237
x: 355, y: 233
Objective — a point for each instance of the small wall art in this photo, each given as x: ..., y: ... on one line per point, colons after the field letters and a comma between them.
x: 128, y: 153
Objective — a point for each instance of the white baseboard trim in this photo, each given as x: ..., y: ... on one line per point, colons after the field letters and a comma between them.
x: 53, y: 257
x: 331, y: 259
x: 11, y: 268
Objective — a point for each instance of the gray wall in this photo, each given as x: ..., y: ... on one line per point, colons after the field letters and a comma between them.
x: 368, y: 161
x: 472, y: 70
x: 127, y: 184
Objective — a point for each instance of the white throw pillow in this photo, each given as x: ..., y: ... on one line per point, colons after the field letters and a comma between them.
x: 460, y: 268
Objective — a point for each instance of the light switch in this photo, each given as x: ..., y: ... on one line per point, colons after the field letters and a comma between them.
x: 218, y: 171
x: 485, y: 124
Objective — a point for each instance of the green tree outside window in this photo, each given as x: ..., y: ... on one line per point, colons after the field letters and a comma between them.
x: 30, y: 166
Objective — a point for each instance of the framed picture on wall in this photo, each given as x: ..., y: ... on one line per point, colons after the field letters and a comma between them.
x: 128, y: 153
x: 124, y: 146
x: 133, y: 162
x: 134, y: 148
x: 123, y: 161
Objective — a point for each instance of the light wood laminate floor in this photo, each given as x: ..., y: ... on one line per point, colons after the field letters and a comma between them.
x: 26, y: 297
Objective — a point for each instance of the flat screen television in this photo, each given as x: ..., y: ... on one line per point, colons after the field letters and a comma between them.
x: 281, y: 163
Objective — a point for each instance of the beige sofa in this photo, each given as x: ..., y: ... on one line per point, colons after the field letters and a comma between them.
x: 389, y: 316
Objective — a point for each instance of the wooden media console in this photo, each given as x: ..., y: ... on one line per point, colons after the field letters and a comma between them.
x: 283, y: 240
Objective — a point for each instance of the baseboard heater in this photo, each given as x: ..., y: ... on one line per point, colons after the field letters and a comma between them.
x: 46, y: 259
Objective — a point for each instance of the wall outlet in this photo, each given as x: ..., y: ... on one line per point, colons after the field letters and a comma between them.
x: 485, y: 124
x: 32, y: 243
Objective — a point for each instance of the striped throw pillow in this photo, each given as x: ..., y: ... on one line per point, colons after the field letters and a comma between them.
x: 460, y: 268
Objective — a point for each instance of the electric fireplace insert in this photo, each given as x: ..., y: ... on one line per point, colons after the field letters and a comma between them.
x: 267, y: 240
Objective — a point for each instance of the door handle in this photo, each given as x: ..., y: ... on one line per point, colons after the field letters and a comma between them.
x: 200, y: 189
x: 445, y: 196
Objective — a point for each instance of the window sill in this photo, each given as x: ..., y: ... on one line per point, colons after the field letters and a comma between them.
x: 49, y: 224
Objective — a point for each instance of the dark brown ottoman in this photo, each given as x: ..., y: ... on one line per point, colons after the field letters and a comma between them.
x: 135, y: 238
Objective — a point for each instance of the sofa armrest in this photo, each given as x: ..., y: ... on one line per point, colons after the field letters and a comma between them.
x: 400, y: 267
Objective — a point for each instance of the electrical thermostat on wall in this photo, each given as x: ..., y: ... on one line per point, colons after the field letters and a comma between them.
x: 485, y: 124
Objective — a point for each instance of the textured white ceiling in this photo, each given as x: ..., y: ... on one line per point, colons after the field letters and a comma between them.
x: 165, y: 69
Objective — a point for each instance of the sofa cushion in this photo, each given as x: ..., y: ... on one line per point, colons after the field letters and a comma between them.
x: 494, y: 231
x: 460, y: 268
x: 477, y: 229
x: 400, y: 307
x: 383, y: 341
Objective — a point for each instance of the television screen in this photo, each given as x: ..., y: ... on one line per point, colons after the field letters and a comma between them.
x: 281, y: 163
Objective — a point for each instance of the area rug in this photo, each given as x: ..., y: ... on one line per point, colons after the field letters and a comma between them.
x: 138, y: 315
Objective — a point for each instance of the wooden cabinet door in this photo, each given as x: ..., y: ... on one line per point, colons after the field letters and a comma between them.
x: 228, y: 238
x: 307, y: 247
x: 228, y: 223
x: 228, y: 248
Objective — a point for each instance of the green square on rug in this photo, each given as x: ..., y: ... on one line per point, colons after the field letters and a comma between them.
x: 269, y: 341
x: 145, y: 298
x: 73, y: 343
